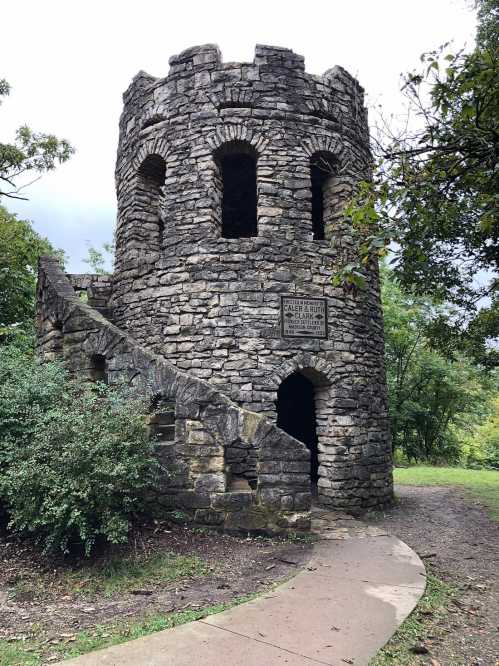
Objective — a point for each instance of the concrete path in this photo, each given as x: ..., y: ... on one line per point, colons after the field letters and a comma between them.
x: 358, y: 587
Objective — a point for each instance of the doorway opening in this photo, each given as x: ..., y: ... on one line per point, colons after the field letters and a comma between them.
x: 296, y: 415
x: 98, y: 368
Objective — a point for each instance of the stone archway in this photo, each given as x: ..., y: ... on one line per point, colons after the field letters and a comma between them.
x: 302, y: 412
x: 296, y: 415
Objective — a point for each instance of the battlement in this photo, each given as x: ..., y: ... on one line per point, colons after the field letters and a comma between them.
x: 275, y: 80
x: 208, y: 57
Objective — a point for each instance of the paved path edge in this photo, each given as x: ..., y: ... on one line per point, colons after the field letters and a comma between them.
x: 342, y: 607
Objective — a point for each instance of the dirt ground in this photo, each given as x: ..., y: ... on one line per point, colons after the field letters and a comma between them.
x: 459, y: 544
x: 34, y: 595
x: 451, y: 532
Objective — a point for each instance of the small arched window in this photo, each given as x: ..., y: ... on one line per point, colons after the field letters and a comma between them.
x: 237, y: 170
x: 322, y: 172
x: 98, y: 368
x: 151, y: 180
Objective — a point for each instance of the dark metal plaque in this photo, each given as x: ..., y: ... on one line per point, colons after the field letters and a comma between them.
x: 303, y: 317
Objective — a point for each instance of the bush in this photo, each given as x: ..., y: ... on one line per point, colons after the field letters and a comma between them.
x: 482, y: 448
x: 76, y: 461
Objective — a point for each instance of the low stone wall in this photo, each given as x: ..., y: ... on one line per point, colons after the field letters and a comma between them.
x: 198, y: 478
x: 97, y: 289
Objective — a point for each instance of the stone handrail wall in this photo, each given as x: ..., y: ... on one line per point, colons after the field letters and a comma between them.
x: 206, y: 421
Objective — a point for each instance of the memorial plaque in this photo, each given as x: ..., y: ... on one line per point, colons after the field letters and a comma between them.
x: 303, y: 317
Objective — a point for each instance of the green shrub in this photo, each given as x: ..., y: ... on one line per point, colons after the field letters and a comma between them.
x: 76, y: 461
x: 481, y: 449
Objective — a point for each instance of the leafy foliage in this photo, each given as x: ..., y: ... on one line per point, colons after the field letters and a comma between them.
x: 434, y: 402
x: 482, y: 447
x: 20, y: 249
x: 97, y: 259
x: 76, y: 460
x: 30, y: 152
x: 434, y: 197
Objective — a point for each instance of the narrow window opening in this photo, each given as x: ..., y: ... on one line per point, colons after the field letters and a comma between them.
x: 162, y: 419
x: 162, y: 433
x: 152, y: 173
x: 154, y: 169
x: 322, y: 169
x: 240, y: 467
x: 98, y: 369
x: 237, y: 165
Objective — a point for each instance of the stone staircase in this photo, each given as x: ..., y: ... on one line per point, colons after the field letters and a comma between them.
x: 195, y: 425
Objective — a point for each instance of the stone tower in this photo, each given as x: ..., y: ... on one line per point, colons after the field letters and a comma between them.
x: 231, y: 178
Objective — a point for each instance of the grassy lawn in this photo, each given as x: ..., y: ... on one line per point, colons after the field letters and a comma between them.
x: 481, y: 484
x: 33, y: 652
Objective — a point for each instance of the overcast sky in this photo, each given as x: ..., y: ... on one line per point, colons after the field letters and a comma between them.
x: 68, y: 63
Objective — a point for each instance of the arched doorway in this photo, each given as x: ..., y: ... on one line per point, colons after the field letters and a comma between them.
x: 296, y: 415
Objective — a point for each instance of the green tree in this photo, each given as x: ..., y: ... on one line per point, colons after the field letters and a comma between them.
x: 434, y: 401
x: 97, y: 259
x: 482, y: 446
x: 20, y: 248
x: 20, y: 245
x: 29, y: 153
x: 434, y: 196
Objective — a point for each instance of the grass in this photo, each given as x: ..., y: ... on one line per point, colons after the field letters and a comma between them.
x: 131, y: 573
x: 115, y: 575
x: 421, y: 622
x: 32, y: 652
x: 481, y: 484
x: 301, y: 537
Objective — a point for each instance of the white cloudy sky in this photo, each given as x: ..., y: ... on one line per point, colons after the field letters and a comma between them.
x: 69, y: 61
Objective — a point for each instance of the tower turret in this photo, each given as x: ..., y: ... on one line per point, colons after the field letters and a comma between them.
x: 231, y: 179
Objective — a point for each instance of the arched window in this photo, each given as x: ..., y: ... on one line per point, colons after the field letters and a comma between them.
x: 237, y: 169
x: 151, y: 178
x: 98, y: 368
x: 322, y: 172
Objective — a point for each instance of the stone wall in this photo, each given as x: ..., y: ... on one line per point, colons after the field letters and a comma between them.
x: 211, y: 305
x: 197, y: 474
x: 96, y: 290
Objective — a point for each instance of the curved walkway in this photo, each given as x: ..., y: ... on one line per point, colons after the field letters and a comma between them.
x: 358, y: 587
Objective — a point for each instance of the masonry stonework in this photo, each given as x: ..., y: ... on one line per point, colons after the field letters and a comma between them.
x: 199, y: 283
